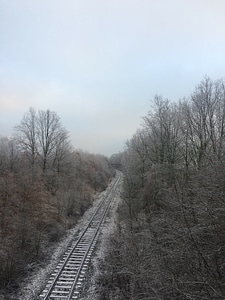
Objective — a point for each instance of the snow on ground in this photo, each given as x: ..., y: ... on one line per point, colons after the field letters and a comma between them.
x: 91, y: 289
x: 33, y: 286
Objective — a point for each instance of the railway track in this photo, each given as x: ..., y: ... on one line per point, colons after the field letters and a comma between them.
x: 66, y: 280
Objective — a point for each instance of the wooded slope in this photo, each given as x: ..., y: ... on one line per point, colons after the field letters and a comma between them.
x: 45, y: 186
x: 170, y: 240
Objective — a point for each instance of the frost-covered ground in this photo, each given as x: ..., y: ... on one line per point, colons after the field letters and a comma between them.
x: 91, y: 291
x: 32, y: 286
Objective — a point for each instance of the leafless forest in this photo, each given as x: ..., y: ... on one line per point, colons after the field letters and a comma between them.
x: 45, y: 186
x: 170, y: 238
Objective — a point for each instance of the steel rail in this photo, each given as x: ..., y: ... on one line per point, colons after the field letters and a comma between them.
x: 87, y: 251
x: 91, y: 240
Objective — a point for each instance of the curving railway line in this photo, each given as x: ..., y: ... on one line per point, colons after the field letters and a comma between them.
x: 66, y: 280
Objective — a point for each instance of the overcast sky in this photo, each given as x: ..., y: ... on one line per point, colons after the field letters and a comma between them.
x: 98, y: 63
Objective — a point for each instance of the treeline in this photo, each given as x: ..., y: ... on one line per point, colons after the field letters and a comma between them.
x: 45, y: 186
x: 170, y: 239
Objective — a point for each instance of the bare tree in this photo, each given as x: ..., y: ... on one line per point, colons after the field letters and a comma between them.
x: 3, y: 153
x: 163, y: 127
x: 26, y: 134
x: 13, y: 155
x: 61, y: 151
x: 203, y: 122
x: 49, y: 131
